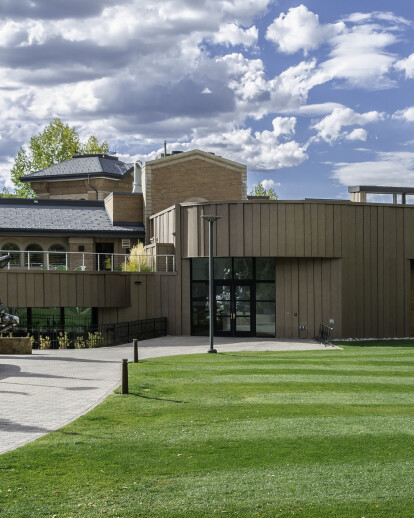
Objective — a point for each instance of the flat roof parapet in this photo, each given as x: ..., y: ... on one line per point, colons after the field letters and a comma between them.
x: 359, y: 192
x: 381, y: 189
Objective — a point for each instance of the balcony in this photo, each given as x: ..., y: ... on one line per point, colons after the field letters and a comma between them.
x: 88, y: 262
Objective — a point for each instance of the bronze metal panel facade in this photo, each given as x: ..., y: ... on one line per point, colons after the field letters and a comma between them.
x: 374, y: 242
x: 42, y: 289
x: 151, y: 295
x: 307, y: 293
x: 267, y: 228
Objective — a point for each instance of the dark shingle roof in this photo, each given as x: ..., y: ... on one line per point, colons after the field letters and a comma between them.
x: 57, y: 217
x: 83, y: 166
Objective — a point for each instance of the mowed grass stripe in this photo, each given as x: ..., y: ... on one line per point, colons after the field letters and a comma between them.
x: 260, y: 434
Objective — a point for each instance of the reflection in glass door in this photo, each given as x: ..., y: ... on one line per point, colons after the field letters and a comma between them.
x: 223, y: 310
x: 244, y: 296
x: 233, y: 309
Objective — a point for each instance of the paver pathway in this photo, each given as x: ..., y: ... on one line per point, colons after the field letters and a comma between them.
x: 46, y: 390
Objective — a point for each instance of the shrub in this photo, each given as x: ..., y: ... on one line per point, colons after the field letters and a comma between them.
x: 95, y: 339
x: 45, y: 342
x: 63, y: 340
x: 79, y: 343
x: 138, y: 260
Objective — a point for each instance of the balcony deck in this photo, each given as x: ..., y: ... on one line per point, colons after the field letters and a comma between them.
x: 88, y: 262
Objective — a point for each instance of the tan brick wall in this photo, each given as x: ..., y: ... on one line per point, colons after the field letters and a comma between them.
x: 194, y: 178
x: 76, y: 261
x: 125, y: 207
x: 77, y: 189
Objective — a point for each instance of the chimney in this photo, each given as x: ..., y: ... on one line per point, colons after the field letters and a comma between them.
x: 124, y: 208
x: 137, y: 187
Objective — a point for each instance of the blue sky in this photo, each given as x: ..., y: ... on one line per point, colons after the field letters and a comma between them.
x: 313, y: 96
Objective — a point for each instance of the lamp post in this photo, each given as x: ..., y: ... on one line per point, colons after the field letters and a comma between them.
x: 211, y: 219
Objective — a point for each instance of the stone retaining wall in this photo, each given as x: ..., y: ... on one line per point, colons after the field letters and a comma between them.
x: 15, y: 345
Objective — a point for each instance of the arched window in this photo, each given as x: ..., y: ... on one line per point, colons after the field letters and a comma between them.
x: 59, y: 257
x: 13, y: 250
x: 33, y: 255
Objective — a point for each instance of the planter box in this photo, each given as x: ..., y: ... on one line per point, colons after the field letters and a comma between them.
x: 15, y: 345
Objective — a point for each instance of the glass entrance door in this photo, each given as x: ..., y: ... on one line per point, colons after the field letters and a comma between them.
x: 233, y: 304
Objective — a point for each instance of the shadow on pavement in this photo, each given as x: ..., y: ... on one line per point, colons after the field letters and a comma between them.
x: 14, y: 371
x: 10, y: 426
x: 14, y: 392
x: 60, y: 358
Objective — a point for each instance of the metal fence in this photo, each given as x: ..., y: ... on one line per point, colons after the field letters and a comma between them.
x: 102, y: 335
x: 88, y: 261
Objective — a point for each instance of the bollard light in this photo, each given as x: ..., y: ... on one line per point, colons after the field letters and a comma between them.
x: 135, y: 342
x: 124, y: 386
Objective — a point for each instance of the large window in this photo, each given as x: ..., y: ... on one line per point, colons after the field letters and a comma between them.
x: 33, y: 256
x: 45, y: 318
x: 251, y: 296
x: 265, y: 297
x: 19, y: 312
x: 78, y: 317
x: 55, y: 318
x: 57, y: 256
x: 13, y: 250
x: 199, y: 297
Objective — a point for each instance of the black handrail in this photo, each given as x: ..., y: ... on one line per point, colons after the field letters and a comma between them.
x: 101, y: 335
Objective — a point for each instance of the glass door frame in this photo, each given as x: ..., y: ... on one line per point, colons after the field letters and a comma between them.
x: 233, y: 284
x: 260, y: 275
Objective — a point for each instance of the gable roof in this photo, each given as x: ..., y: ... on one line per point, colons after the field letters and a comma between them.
x: 21, y: 216
x: 83, y: 166
x: 181, y: 156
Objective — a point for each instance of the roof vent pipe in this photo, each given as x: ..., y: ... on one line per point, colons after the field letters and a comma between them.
x: 137, y: 187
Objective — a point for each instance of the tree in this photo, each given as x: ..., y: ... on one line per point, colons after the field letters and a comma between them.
x: 92, y: 146
x: 56, y: 143
x: 259, y: 190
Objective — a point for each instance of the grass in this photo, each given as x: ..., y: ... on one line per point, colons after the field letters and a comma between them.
x: 387, y: 342
x: 315, y: 434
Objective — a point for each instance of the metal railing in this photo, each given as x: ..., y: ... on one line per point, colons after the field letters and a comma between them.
x: 103, y: 335
x: 89, y: 261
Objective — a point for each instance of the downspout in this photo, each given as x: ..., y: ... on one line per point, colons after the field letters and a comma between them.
x: 90, y: 185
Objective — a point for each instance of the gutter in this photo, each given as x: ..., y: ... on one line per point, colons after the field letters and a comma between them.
x: 90, y: 185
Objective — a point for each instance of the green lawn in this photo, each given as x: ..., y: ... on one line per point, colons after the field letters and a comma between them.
x: 315, y: 434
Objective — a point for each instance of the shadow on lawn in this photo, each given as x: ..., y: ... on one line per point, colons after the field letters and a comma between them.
x: 250, y: 356
x: 156, y: 398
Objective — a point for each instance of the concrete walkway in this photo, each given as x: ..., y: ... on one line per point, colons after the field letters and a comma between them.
x: 44, y: 391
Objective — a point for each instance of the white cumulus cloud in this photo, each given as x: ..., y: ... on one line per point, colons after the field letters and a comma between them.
x: 357, y: 134
x: 270, y: 184
x: 330, y: 127
x: 299, y: 29
x: 260, y: 150
x: 406, y: 65
x: 231, y: 34
x: 407, y: 114
x: 388, y: 168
